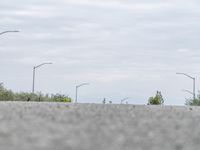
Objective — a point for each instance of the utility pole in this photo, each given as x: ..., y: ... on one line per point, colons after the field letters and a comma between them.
x: 76, y: 99
x: 1, y: 33
x: 193, y: 78
x: 34, y: 68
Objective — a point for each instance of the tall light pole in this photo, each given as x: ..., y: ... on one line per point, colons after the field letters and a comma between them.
x: 4, y: 32
x: 124, y: 99
x: 35, y: 67
x: 193, y: 78
x: 77, y: 90
x: 1, y: 33
x: 187, y: 91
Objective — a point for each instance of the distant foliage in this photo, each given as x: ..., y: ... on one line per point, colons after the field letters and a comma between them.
x: 61, y: 98
x: 8, y: 95
x: 193, y: 102
x: 156, y: 100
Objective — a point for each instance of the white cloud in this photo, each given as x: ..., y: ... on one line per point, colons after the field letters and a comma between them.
x: 183, y: 50
x: 124, y: 5
x: 132, y: 45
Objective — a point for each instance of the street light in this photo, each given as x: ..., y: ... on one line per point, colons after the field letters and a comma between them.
x: 193, y: 93
x: 124, y: 99
x: 33, y: 87
x: 187, y: 91
x: 1, y: 33
x: 77, y: 90
x: 8, y: 32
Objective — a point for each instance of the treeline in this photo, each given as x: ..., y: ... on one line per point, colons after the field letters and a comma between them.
x: 9, y: 95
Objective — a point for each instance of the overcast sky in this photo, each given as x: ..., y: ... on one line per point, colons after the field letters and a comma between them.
x: 123, y: 48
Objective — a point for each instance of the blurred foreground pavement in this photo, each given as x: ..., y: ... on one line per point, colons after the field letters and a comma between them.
x: 61, y: 126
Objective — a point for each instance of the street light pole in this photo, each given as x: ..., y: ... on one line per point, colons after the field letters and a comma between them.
x: 194, y: 97
x: 193, y: 78
x: 1, y: 33
x: 4, y: 32
x: 124, y: 99
x: 35, y: 67
x: 187, y: 91
x: 76, y: 99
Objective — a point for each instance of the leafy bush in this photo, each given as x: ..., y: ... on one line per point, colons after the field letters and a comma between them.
x: 61, y: 98
x: 8, y: 95
x: 193, y: 102
x: 157, y: 100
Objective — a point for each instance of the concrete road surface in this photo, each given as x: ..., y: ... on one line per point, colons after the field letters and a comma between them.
x: 61, y: 126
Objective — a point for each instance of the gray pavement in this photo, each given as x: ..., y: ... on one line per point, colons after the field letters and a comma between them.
x: 61, y: 126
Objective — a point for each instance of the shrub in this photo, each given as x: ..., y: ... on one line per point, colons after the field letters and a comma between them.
x: 60, y: 98
x: 193, y: 102
x: 157, y: 100
x: 8, y: 95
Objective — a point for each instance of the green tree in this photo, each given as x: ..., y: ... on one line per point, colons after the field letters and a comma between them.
x: 156, y: 100
x: 6, y: 95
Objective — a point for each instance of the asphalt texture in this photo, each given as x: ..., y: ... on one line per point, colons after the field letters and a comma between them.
x: 61, y: 126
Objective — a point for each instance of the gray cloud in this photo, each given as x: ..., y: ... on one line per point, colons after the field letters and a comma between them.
x: 124, y: 48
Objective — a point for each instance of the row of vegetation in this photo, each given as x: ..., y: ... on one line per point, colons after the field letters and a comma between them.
x: 8, y: 95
